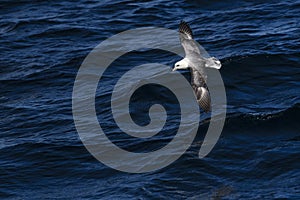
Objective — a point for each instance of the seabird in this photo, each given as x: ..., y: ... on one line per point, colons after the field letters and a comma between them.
x: 194, y: 61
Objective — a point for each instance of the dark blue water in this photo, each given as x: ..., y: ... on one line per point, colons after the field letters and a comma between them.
x: 42, y: 45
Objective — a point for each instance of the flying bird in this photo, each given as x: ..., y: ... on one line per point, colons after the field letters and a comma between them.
x: 197, y: 63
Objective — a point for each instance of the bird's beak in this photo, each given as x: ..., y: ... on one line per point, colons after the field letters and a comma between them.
x: 174, y: 69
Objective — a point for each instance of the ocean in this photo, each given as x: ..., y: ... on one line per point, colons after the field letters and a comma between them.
x: 44, y: 43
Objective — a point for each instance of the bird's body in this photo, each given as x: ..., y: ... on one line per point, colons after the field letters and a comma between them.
x: 194, y: 61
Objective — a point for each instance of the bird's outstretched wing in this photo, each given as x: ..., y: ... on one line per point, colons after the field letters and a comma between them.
x: 201, y: 90
x: 190, y: 47
x: 197, y: 65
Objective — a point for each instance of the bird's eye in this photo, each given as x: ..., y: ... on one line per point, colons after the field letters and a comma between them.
x: 177, y: 65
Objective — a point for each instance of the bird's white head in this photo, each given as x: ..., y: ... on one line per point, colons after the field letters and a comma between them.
x: 182, y: 64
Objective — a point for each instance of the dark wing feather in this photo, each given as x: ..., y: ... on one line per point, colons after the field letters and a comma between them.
x: 185, y: 29
x: 190, y: 47
x: 201, y: 90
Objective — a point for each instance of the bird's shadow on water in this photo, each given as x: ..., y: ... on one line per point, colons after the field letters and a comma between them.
x: 221, y: 192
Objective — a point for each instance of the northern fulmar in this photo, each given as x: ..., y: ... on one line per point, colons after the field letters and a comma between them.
x: 197, y: 63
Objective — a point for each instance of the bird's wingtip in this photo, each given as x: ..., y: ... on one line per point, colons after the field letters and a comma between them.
x: 185, y: 29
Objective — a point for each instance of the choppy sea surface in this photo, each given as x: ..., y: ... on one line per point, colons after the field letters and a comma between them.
x: 42, y: 45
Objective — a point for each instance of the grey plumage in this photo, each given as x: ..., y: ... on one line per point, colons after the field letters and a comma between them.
x: 196, y: 62
x: 200, y: 89
x: 189, y: 45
